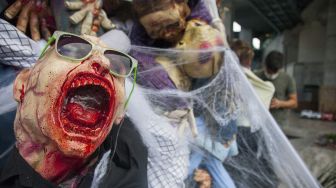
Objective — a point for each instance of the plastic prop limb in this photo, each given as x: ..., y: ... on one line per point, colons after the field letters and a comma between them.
x: 91, y: 14
x: 36, y: 13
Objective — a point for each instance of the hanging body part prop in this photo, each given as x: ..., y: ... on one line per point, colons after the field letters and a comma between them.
x: 36, y: 14
x: 163, y: 19
x: 91, y: 14
x: 68, y: 103
x: 206, y: 61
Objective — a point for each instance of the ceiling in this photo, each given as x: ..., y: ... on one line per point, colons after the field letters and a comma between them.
x: 268, y: 16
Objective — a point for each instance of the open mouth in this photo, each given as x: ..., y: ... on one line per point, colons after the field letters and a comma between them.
x: 171, y: 30
x: 87, y: 105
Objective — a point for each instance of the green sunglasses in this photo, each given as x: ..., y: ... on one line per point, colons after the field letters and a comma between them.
x: 77, y: 48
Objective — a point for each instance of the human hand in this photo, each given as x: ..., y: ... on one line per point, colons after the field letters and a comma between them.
x: 203, y: 178
x: 276, y: 103
x: 36, y: 13
x: 91, y: 14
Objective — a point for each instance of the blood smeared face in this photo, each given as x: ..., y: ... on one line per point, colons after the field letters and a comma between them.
x: 72, y: 104
x: 167, y: 24
x: 201, y: 36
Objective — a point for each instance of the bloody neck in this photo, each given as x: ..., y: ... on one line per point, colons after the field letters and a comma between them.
x: 45, y: 157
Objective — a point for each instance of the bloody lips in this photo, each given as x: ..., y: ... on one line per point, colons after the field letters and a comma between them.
x: 86, y: 106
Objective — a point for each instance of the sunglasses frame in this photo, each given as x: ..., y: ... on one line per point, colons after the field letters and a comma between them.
x: 57, y: 34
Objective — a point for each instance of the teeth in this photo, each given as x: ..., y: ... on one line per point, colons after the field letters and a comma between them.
x: 105, y: 86
x: 77, y: 83
x: 90, y: 81
x: 96, y: 82
x: 82, y: 81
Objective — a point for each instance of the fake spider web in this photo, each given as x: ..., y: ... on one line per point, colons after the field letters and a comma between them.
x: 227, y: 113
x: 265, y: 158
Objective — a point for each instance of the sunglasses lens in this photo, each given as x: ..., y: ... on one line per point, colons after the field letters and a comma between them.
x: 73, y: 46
x: 119, y: 63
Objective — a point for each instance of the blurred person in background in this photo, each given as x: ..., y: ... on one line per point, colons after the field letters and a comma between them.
x: 285, y: 96
x: 251, y: 143
x: 245, y: 54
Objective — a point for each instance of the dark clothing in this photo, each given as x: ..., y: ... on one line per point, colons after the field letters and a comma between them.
x: 252, y: 167
x: 128, y: 167
x: 18, y: 173
x: 7, y: 138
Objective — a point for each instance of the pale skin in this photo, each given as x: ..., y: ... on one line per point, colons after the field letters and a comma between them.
x: 91, y: 14
x: 166, y: 24
x: 51, y: 148
x: 32, y: 14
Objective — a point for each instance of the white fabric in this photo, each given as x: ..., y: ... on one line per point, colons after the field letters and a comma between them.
x: 116, y: 39
x: 168, y: 154
x: 264, y: 89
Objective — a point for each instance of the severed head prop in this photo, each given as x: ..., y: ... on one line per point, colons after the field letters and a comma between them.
x: 205, y: 61
x: 162, y: 19
x: 69, y: 101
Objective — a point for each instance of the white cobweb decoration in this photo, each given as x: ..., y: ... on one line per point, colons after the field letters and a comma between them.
x: 265, y: 157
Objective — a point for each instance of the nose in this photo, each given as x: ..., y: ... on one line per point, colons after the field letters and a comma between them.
x: 99, y: 65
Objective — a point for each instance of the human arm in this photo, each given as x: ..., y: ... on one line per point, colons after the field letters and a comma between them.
x: 291, y: 103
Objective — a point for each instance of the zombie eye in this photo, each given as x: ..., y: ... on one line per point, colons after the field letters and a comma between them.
x: 181, y: 43
x: 198, y: 24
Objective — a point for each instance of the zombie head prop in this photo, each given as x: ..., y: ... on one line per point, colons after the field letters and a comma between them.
x: 68, y: 102
x: 162, y: 19
x: 202, y: 37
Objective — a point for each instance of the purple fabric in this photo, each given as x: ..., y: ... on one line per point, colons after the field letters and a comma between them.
x: 139, y: 36
x: 155, y: 79
x: 199, y: 11
x: 159, y: 78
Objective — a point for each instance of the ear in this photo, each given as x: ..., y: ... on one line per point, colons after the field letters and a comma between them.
x: 20, y: 84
